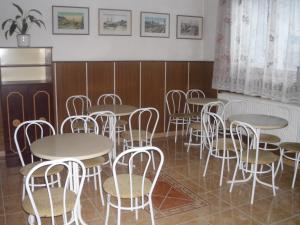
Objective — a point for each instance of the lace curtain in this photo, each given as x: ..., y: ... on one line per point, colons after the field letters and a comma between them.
x: 258, y: 48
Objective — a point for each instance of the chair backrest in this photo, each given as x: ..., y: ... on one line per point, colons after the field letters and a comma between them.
x: 29, y: 131
x: 51, y: 195
x: 109, y: 99
x: 79, y: 124
x: 78, y: 105
x: 216, y: 107
x: 143, y: 122
x: 214, y: 128
x: 106, y: 121
x: 140, y: 168
x: 176, y: 101
x: 194, y: 93
x: 246, y: 143
x: 234, y: 107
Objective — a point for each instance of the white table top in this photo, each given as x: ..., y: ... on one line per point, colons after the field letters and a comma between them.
x: 202, y: 101
x: 118, y: 110
x: 79, y: 146
x: 260, y: 121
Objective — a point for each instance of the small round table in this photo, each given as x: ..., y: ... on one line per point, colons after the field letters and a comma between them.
x: 202, y: 101
x: 260, y: 121
x: 118, y: 110
x: 80, y: 146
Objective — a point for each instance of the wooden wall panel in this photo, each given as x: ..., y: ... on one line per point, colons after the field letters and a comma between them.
x: 177, y: 76
x: 128, y: 82
x: 70, y: 80
x: 201, y: 77
x: 153, y: 88
x: 100, y: 79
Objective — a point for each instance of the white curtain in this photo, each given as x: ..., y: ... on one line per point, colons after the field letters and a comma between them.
x: 258, y: 48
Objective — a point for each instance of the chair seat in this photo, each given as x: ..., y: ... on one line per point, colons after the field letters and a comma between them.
x: 124, y: 186
x: 98, y: 161
x: 269, y: 138
x: 136, y: 135
x: 291, y: 146
x: 264, y: 157
x: 79, y: 125
x: 228, y: 144
x: 41, y: 199
x: 40, y: 172
x: 121, y: 123
x: 195, y: 126
x: 182, y: 115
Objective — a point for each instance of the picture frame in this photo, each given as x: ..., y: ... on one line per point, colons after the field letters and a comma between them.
x: 155, y: 25
x: 189, y: 27
x: 115, y: 22
x: 70, y: 20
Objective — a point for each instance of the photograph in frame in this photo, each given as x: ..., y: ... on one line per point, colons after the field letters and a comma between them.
x: 114, y: 22
x: 155, y: 25
x: 70, y: 20
x: 189, y: 27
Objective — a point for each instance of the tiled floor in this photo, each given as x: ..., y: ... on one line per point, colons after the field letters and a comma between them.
x: 185, y: 169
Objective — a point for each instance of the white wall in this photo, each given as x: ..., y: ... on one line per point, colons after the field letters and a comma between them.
x: 95, y: 47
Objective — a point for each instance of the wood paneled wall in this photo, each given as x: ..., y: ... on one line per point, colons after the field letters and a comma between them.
x: 139, y: 83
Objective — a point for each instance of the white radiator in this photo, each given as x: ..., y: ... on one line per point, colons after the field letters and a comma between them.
x: 264, y: 106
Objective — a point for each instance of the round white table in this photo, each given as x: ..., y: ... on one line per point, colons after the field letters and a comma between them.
x: 202, y: 101
x: 118, y: 110
x: 80, y: 146
x: 260, y: 121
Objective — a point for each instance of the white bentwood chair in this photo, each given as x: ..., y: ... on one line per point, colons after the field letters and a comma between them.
x: 177, y: 110
x: 193, y: 109
x: 114, y: 99
x: 246, y: 144
x: 25, y: 134
x: 77, y: 105
x: 219, y: 146
x: 88, y: 125
x: 136, y: 185
x: 55, y: 201
x: 196, y: 129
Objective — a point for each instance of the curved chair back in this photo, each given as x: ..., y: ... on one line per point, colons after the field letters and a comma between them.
x: 109, y: 99
x: 142, y: 126
x: 29, y: 131
x: 53, y: 201
x: 79, y: 124
x: 194, y: 93
x: 78, y: 105
x: 107, y: 123
x: 246, y: 144
x: 214, y: 127
x: 138, y: 182
x: 175, y: 100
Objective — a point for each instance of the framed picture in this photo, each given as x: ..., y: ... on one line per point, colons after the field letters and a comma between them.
x: 114, y: 22
x: 155, y: 24
x: 70, y: 20
x: 189, y: 27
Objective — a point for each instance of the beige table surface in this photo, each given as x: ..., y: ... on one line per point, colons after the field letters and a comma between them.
x: 202, y: 101
x: 118, y: 110
x: 260, y: 121
x: 79, y: 146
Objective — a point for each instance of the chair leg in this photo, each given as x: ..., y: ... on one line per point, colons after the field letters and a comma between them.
x: 23, y: 188
x: 100, y: 184
x: 273, y: 179
x: 136, y: 211
x: 95, y: 178
x: 222, y: 171
x: 168, y: 127
x: 234, y: 175
x: 31, y: 219
x: 190, y: 140
x: 176, y: 130
x: 254, y: 184
x: 297, y: 159
x: 119, y: 216
x: 107, y: 209
x: 58, y: 179
x: 151, y: 211
x: 206, y: 164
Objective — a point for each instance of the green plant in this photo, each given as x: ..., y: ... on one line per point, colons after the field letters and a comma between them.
x: 22, y: 21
